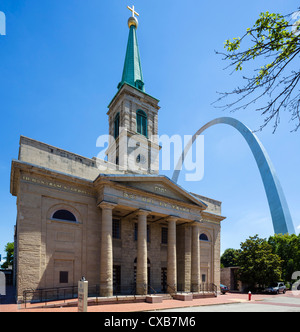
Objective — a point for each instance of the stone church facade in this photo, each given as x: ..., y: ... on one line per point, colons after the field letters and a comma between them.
x: 126, y: 230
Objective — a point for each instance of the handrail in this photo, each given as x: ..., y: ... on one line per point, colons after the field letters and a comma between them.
x: 70, y: 292
x: 151, y: 288
x: 172, y: 288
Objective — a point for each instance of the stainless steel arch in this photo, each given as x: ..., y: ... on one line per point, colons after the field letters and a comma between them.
x: 280, y: 213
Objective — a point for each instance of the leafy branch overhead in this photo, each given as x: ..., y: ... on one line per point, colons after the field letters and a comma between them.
x: 276, y: 40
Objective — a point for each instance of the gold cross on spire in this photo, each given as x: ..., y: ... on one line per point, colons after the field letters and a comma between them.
x: 133, y: 11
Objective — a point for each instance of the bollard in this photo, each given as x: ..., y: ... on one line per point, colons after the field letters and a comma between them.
x: 249, y: 296
x: 83, y: 295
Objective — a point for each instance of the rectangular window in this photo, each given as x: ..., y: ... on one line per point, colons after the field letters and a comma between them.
x: 63, y: 277
x: 116, y: 231
x: 117, y: 126
x: 141, y: 122
x: 164, y: 235
x: 144, y: 127
x: 203, y: 277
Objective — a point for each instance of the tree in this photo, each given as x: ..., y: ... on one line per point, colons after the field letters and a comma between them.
x: 258, y: 265
x: 229, y: 257
x: 287, y: 247
x: 9, y: 249
x: 275, y: 40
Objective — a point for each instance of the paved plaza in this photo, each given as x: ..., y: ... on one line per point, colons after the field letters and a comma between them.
x: 235, y: 302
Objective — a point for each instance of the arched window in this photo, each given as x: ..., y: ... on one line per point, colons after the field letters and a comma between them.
x: 141, y: 123
x: 64, y: 215
x: 203, y: 237
x: 117, y: 126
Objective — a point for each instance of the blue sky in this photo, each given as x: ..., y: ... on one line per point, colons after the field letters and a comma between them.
x: 61, y: 62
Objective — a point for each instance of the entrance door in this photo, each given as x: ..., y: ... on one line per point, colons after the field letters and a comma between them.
x: 164, y: 279
x: 117, y: 279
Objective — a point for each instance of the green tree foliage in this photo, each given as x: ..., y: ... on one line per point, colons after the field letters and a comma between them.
x: 258, y: 257
x: 9, y: 249
x: 274, y: 46
x: 229, y: 257
x: 258, y: 264
x: 288, y: 248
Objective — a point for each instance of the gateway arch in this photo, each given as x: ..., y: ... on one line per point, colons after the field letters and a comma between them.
x: 280, y: 213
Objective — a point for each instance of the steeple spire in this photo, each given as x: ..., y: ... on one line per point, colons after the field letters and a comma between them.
x: 132, y: 72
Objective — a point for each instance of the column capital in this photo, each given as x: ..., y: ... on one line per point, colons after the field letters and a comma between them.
x: 172, y: 218
x: 197, y: 223
x: 143, y: 212
x: 107, y: 205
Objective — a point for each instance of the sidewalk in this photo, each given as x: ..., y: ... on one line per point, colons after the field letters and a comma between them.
x: 142, y: 306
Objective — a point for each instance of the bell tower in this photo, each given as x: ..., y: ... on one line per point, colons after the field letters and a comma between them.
x: 133, y: 115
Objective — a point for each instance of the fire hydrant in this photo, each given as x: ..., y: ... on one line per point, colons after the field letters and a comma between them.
x: 249, y: 296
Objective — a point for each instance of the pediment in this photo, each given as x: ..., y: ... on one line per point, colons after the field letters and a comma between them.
x: 158, y: 185
x: 157, y: 188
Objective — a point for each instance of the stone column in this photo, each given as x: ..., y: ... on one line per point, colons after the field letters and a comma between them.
x: 172, y: 260
x: 106, y: 262
x: 141, y: 268
x: 195, y: 273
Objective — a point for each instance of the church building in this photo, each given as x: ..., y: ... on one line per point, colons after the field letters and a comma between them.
x: 116, y: 222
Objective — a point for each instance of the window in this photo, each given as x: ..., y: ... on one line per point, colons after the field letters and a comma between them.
x: 116, y: 229
x: 63, y: 277
x: 64, y: 215
x: 203, y: 237
x: 141, y: 123
x: 117, y: 126
x: 136, y: 232
x: 164, y: 235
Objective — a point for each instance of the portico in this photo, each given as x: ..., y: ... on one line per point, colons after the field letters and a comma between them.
x: 149, y: 205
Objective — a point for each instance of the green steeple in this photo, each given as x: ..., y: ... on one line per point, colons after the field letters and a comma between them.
x: 132, y: 72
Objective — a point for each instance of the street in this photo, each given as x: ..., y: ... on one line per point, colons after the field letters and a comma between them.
x: 276, y: 303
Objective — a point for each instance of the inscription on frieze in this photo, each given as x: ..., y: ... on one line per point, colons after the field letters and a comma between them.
x: 160, y: 190
x: 56, y: 185
x: 155, y: 202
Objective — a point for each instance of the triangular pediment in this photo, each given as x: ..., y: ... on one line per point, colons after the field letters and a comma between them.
x: 158, y: 185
